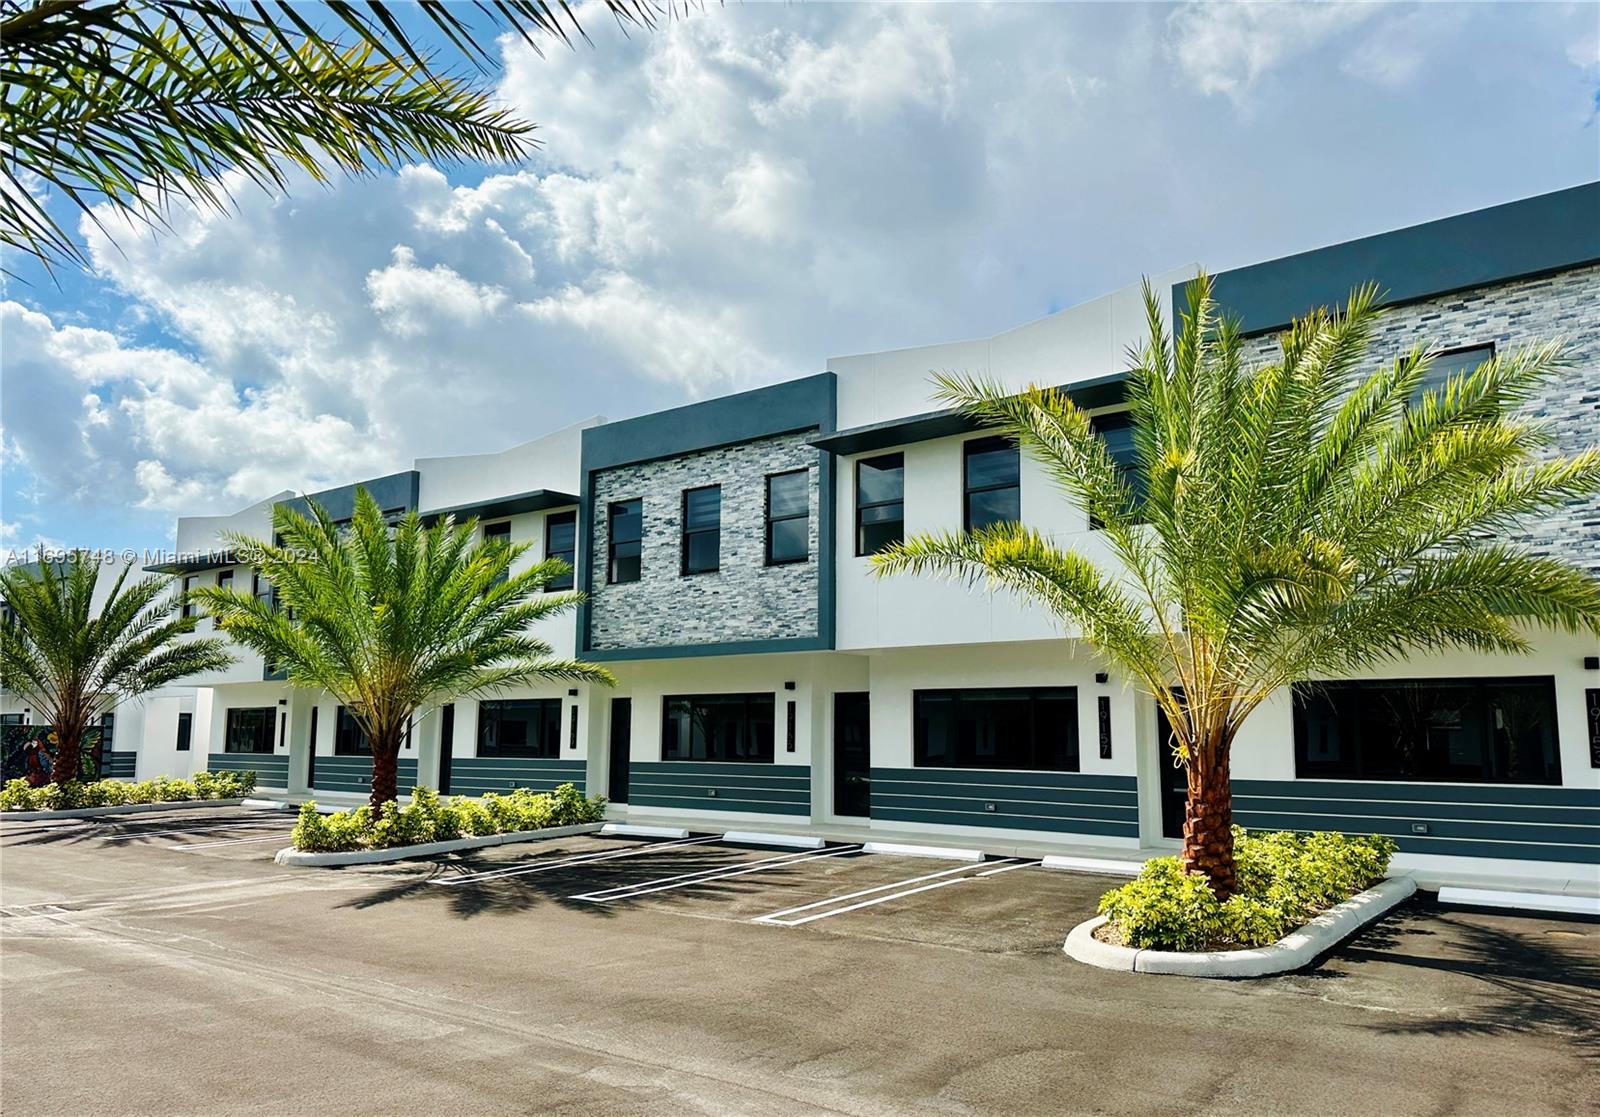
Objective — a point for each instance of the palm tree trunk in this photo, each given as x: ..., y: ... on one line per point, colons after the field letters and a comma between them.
x: 69, y: 754
x: 1208, y: 817
x: 385, y: 772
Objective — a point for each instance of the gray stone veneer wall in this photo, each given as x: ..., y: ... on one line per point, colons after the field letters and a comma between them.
x: 743, y: 600
x: 1565, y: 305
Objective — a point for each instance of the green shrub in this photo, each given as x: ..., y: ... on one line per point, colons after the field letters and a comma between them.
x: 18, y: 796
x: 427, y: 818
x: 1284, y: 880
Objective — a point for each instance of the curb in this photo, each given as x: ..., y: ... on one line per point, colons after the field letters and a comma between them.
x: 1296, y: 949
x: 758, y: 838
x: 1564, y: 904
x: 427, y: 849
x: 125, y: 808
x: 947, y: 852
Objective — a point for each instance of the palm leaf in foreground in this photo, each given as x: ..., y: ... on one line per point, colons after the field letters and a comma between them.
x: 1297, y: 520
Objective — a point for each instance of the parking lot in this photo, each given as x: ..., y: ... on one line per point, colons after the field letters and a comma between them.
x: 598, y: 974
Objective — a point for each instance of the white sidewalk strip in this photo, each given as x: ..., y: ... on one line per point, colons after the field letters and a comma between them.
x: 878, y: 899
x: 863, y: 892
x: 230, y: 842
x: 1094, y: 865
x: 689, y: 880
x: 1565, y: 902
x: 633, y: 830
x: 756, y: 838
x: 524, y: 868
x: 947, y: 852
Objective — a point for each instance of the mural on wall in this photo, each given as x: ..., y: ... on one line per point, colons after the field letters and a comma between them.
x: 29, y: 751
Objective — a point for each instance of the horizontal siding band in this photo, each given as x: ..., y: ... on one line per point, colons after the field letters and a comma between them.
x: 118, y: 765
x: 1418, y: 811
x: 1043, y: 807
x: 271, y: 770
x: 719, y: 803
x: 685, y: 779
x: 354, y: 773
x: 1510, y: 794
x: 756, y: 794
x: 479, y: 775
x: 996, y: 776
x: 703, y: 768
x: 1116, y: 800
x: 1437, y: 845
x: 494, y: 765
x: 1400, y: 827
x: 1008, y: 822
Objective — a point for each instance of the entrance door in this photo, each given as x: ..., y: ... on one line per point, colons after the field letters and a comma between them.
x: 621, y: 745
x: 311, y: 753
x: 447, y: 743
x: 1173, y: 781
x: 852, y: 756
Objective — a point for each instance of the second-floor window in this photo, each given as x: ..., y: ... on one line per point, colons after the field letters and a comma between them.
x: 188, y: 588
x: 1446, y: 366
x: 499, y: 533
x: 991, y: 484
x: 561, y: 542
x: 626, y: 523
x: 788, y: 517
x: 224, y: 582
x: 880, y: 502
x: 702, y: 529
x: 1116, y: 431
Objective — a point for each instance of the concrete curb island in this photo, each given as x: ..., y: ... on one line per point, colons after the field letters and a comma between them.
x: 427, y: 849
x: 1296, y: 949
x: 125, y: 808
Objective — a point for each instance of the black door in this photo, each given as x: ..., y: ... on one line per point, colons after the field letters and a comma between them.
x: 852, y: 756
x: 447, y: 742
x: 1174, y: 782
x: 621, y: 743
x: 311, y: 753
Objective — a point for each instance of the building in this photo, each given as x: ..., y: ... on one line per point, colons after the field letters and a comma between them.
x: 767, y: 678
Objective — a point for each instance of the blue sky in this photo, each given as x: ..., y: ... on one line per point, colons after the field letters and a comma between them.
x: 733, y: 199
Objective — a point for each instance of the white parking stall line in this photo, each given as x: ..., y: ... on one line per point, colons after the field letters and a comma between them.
x: 1008, y: 868
x: 525, y: 869
x: 706, y: 876
x: 775, y: 919
x: 245, y: 824
x: 776, y: 916
x: 282, y: 837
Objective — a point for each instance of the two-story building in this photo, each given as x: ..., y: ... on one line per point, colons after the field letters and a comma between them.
x: 766, y: 676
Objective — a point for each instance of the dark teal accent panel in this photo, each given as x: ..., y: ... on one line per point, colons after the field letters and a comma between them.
x: 1059, y: 802
x: 1530, y: 236
x: 1531, y: 823
x: 710, y: 786
x: 354, y: 773
x: 475, y: 775
x: 271, y: 769
x: 397, y: 490
x: 118, y: 765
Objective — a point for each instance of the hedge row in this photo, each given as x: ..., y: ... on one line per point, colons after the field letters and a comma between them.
x: 18, y: 796
x: 427, y: 818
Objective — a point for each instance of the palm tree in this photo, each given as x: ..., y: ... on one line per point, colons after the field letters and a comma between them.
x: 136, y: 103
x: 1288, y: 522
x: 390, y: 619
x: 73, y: 665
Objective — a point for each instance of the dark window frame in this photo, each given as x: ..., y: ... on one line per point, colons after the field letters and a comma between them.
x: 612, y: 542
x: 862, y: 505
x: 1127, y: 463
x: 185, y: 738
x: 185, y: 588
x: 349, y: 739
x: 757, y: 709
x: 688, y: 534
x: 231, y: 726
x: 1429, y: 762
x: 803, y: 517
x: 543, y: 735
x: 1039, y: 748
x: 568, y: 555
x: 1433, y: 382
x: 987, y: 445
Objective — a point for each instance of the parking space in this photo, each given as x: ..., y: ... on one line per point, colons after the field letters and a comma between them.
x: 227, y: 831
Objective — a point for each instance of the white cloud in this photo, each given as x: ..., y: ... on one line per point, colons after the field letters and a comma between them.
x: 410, y: 299
x: 1226, y: 47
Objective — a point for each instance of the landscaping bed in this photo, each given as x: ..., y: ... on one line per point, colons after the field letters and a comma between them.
x: 428, y: 825
x: 76, y: 799
x: 1297, y: 895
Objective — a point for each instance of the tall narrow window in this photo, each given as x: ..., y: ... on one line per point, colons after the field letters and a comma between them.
x: 626, y: 523
x: 1116, y: 431
x: 185, y: 731
x: 262, y: 590
x: 788, y: 517
x: 702, y: 529
x: 561, y: 542
x: 224, y: 582
x: 880, y: 502
x: 188, y: 588
x: 498, y: 533
x: 991, y: 483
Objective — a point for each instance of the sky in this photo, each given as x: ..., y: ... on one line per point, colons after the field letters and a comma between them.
x: 731, y: 200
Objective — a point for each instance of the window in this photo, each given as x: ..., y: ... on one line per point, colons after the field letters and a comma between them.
x: 702, y: 529
x: 1116, y: 431
x: 880, y: 502
x: 1444, y: 366
x: 626, y: 519
x: 499, y: 533
x: 526, y: 727
x: 1444, y: 730
x: 788, y: 517
x: 108, y: 731
x: 726, y: 727
x: 561, y: 542
x: 349, y: 739
x: 188, y: 588
x: 991, y: 482
x: 263, y: 591
x: 1033, y: 728
x: 185, y: 731
x: 224, y: 582
x: 249, y: 730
